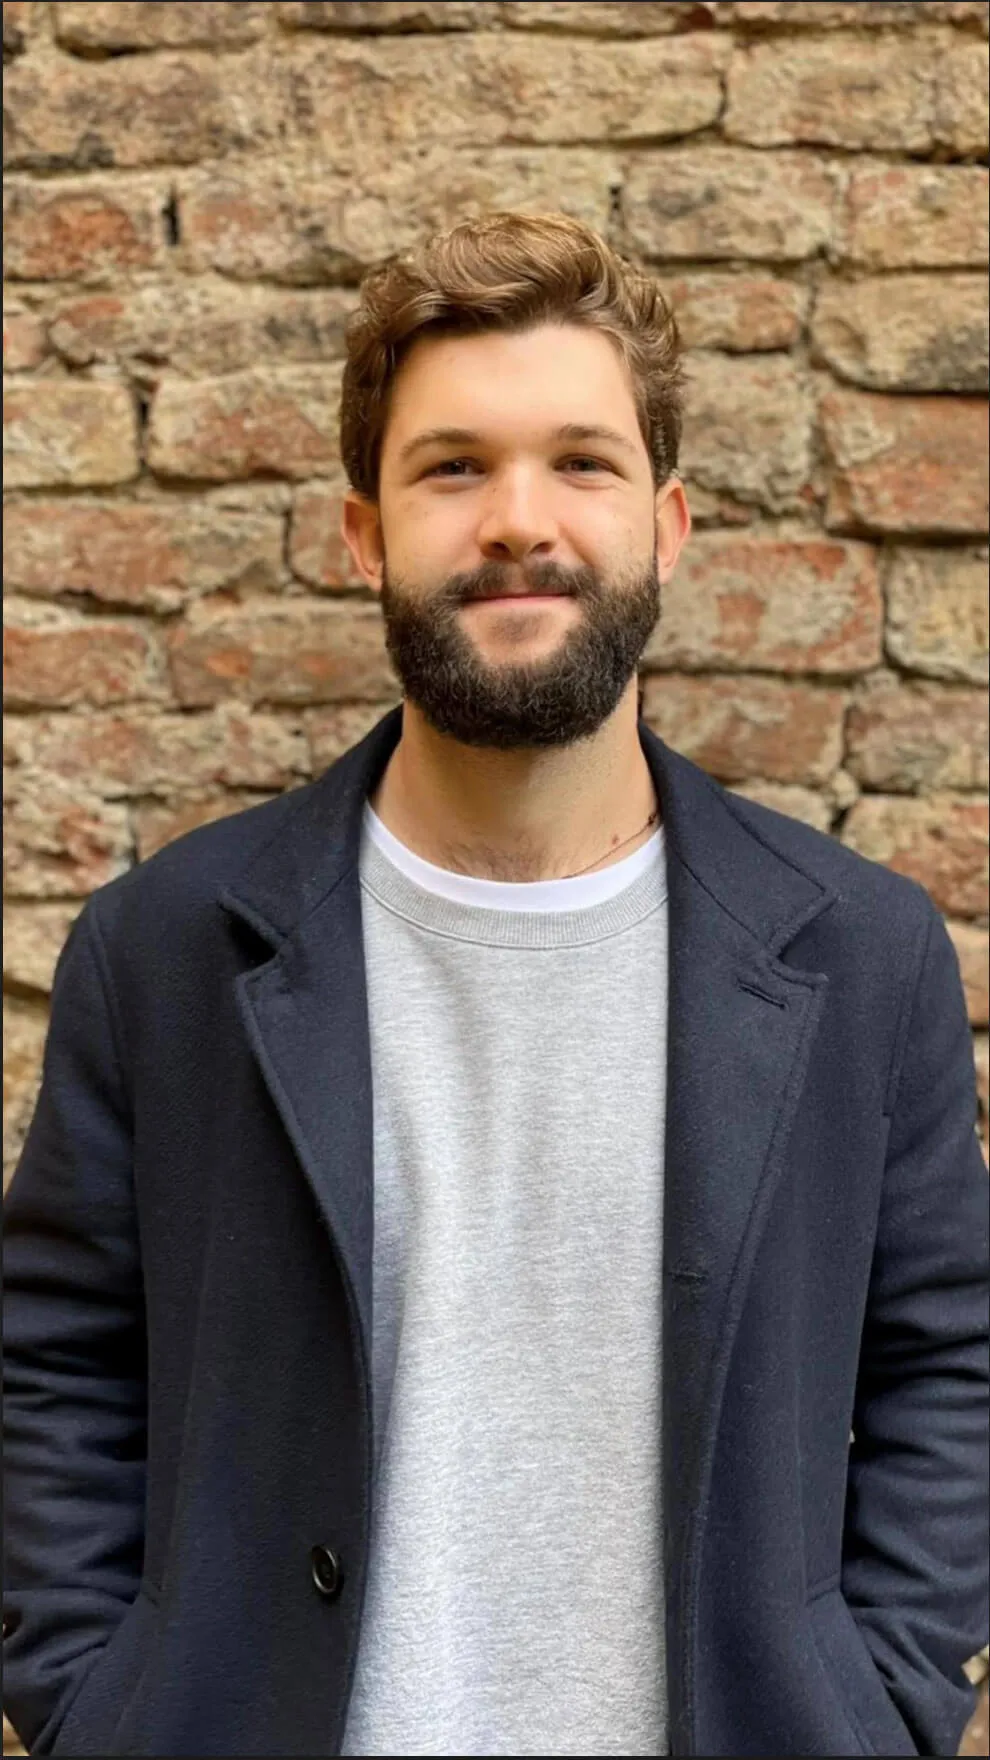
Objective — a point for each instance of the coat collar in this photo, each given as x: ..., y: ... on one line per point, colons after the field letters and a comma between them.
x: 741, y: 1027
x: 765, y: 894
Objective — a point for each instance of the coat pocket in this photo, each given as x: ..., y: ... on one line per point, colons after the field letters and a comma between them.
x: 96, y: 1712
x: 856, y: 1681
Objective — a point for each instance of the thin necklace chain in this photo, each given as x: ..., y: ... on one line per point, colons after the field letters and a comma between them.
x: 621, y: 845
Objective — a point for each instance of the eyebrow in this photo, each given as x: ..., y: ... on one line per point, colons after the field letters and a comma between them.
x: 468, y: 437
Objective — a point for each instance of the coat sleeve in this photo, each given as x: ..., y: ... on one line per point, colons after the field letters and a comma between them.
x: 74, y: 1358
x: 916, y: 1543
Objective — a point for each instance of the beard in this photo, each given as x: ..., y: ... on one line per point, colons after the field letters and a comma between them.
x: 507, y: 705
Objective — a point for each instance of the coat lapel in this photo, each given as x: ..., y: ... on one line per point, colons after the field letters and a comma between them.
x: 741, y: 1025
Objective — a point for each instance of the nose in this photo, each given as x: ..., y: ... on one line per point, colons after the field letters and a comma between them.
x: 517, y: 522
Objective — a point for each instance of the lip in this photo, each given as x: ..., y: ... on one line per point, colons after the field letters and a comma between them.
x: 521, y: 598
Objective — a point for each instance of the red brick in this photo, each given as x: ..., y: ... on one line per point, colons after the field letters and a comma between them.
x: 34, y: 935
x: 972, y: 947
x: 25, y: 1024
x: 740, y: 728
x: 139, y: 554
x: 317, y: 552
x: 619, y: 18
x: 73, y: 115
x: 489, y: 88
x: 785, y: 797
x: 788, y: 605
x: 25, y: 342
x: 908, y: 735
x: 737, y: 312
x: 334, y: 730
x: 80, y: 232
x: 916, y: 217
x: 713, y: 202
x: 61, y: 432
x: 20, y: 20
x: 389, y: 15
x: 747, y: 429
x: 137, y: 751
x: 64, y: 660
x: 938, y: 615
x: 905, y: 332
x: 288, y: 652
x: 310, y: 229
x: 156, y: 825
x: 263, y: 423
x: 168, y: 24
x: 843, y: 91
x: 817, y: 15
x: 199, y: 328
x: 940, y: 841
x: 905, y: 464
x: 61, y: 841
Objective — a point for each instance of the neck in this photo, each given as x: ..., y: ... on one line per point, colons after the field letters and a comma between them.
x: 520, y: 816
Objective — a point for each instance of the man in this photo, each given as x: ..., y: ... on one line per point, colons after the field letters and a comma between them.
x: 473, y: 1198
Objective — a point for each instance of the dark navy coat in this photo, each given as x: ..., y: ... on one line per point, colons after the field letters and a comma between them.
x: 188, y: 1298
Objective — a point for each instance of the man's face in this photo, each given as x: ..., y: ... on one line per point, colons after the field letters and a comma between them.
x: 566, y: 523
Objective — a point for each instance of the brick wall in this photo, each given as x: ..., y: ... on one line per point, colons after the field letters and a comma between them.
x: 193, y: 191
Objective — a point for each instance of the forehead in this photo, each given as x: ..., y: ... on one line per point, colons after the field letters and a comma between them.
x: 511, y: 385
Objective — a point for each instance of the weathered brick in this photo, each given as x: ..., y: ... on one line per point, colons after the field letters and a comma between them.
x: 806, y: 605
x: 25, y: 1024
x: 962, y: 121
x: 310, y: 229
x: 901, y: 464
x: 72, y: 115
x: 719, y: 201
x: 287, y: 652
x: 25, y: 342
x: 34, y: 935
x: 115, y: 25
x: 916, y: 217
x: 740, y: 313
x: 972, y: 947
x: 85, y: 232
x: 388, y: 15
x: 756, y: 15
x: 634, y: 18
x: 907, y: 735
x: 136, y: 752
x: 20, y: 19
x: 940, y: 840
x: 747, y: 428
x: 851, y: 91
x: 497, y: 87
x: 938, y: 616
x: 201, y: 328
x: 335, y: 729
x: 156, y: 824
x: 785, y: 797
x: 62, y: 841
x: 139, y: 554
x: 906, y: 332
x: 263, y: 422
x: 745, y: 728
x: 981, y: 1060
x: 54, y: 658
x: 317, y: 552
x: 60, y: 432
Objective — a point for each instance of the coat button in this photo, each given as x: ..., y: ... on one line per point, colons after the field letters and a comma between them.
x: 327, y: 1574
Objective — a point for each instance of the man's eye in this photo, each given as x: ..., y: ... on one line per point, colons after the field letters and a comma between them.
x: 450, y: 464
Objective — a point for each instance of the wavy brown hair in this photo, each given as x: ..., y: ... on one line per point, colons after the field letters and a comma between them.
x: 509, y: 272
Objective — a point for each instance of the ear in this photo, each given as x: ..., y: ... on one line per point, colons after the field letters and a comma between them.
x: 361, y: 530
x: 673, y: 522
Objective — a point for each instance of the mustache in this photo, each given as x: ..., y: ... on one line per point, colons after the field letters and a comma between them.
x: 497, y: 579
